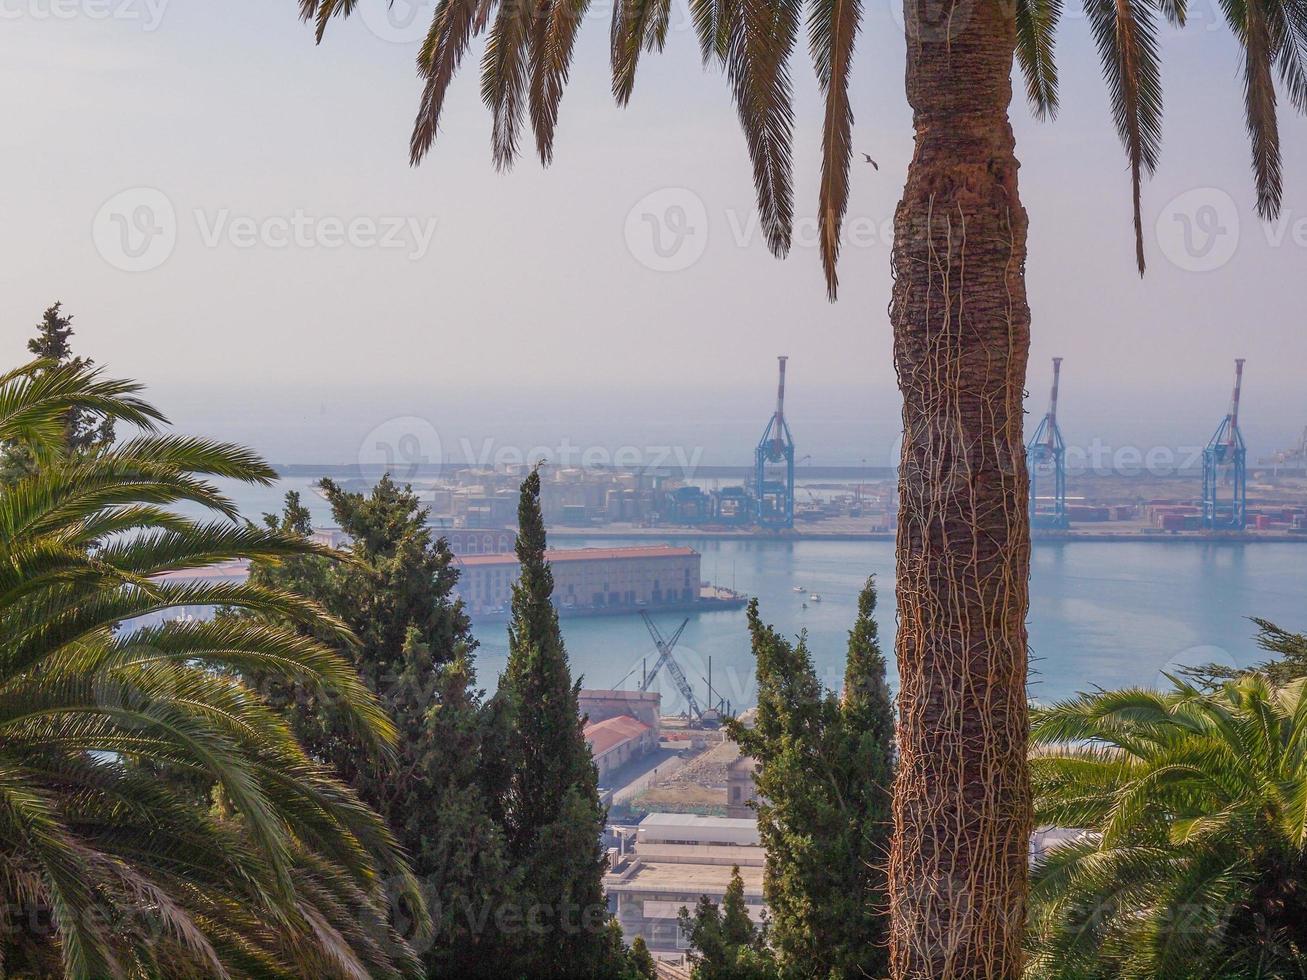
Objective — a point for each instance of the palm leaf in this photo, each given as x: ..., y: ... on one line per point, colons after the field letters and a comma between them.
x: 1037, y: 22
x: 552, y: 42
x: 760, y: 38
x: 1126, y: 34
x: 442, y: 52
x: 832, y: 30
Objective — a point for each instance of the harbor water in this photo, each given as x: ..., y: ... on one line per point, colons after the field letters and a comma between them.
x: 1103, y: 614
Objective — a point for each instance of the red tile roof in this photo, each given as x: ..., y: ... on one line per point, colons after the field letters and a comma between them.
x: 606, y: 735
x: 555, y: 555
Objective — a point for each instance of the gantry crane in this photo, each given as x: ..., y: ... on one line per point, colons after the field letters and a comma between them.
x: 1046, y: 455
x: 1226, y: 460
x: 665, y: 647
x: 773, y: 476
x: 1297, y: 456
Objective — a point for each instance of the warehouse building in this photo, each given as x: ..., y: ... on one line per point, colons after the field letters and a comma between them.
x: 676, y: 859
x: 591, y: 579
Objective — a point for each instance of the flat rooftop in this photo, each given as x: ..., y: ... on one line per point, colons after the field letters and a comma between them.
x: 556, y: 555
x: 689, y: 826
x: 691, y: 879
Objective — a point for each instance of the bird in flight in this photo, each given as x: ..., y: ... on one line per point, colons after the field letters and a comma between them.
x: 873, y: 163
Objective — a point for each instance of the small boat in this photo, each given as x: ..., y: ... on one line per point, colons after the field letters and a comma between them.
x: 800, y: 588
x: 815, y: 598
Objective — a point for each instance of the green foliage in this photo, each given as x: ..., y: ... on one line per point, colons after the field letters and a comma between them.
x: 642, y: 961
x: 824, y: 778
x: 111, y: 861
x: 439, y: 790
x: 553, y: 815
x: 724, y: 942
x: 1290, y: 649
x: 84, y: 430
x: 1195, y: 807
x: 1288, y: 664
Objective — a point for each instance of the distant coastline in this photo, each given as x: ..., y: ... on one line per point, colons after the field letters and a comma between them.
x: 1039, y: 537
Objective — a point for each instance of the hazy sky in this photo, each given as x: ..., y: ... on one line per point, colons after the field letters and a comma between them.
x: 535, y: 305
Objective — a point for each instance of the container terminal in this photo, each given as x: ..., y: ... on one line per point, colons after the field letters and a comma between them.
x: 1220, y: 493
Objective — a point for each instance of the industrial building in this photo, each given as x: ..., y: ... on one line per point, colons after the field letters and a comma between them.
x: 646, y: 706
x: 589, y: 579
x: 674, y: 860
x: 621, y: 726
x: 616, y: 741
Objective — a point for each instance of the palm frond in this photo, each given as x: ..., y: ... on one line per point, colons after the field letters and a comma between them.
x: 760, y: 39
x: 832, y: 31
x: 1259, y: 106
x: 447, y: 40
x: 1126, y: 34
x: 1037, y: 22
x: 552, y: 41
x: 505, y: 75
x: 108, y: 727
x: 638, y: 25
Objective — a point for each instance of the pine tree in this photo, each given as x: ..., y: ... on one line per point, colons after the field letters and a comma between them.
x: 438, y: 794
x: 84, y: 430
x: 553, y: 814
x: 824, y: 777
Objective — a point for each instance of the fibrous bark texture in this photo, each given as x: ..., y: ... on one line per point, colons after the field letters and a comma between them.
x: 961, y: 337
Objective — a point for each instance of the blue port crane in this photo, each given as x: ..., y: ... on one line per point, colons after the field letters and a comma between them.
x: 773, y: 477
x: 1045, y: 459
x: 1225, y: 464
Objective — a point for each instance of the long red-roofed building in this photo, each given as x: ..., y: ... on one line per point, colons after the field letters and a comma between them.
x: 591, y: 579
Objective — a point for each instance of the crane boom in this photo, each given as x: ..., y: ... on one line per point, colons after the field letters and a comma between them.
x: 1052, y: 398
x: 1234, y: 398
x: 665, y: 648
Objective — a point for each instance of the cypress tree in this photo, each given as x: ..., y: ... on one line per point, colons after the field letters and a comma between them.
x: 553, y: 815
x: 824, y: 777
x: 439, y: 792
x: 724, y: 942
x: 84, y: 431
x: 642, y: 961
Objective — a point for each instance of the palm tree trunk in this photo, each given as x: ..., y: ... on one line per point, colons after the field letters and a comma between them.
x: 961, y: 338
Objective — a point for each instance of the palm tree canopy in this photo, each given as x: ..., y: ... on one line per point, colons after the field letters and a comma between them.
x: 1194, y: 861
x: 113, y: 734
x: 529, y: 47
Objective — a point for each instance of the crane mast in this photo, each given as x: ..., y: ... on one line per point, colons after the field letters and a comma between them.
x: 773, y: 474
x: 1046, y: 461
x: 1225, y: 464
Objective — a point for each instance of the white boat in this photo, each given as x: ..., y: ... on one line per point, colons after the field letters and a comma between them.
x: 800, y: 588
x: 815, y: 598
